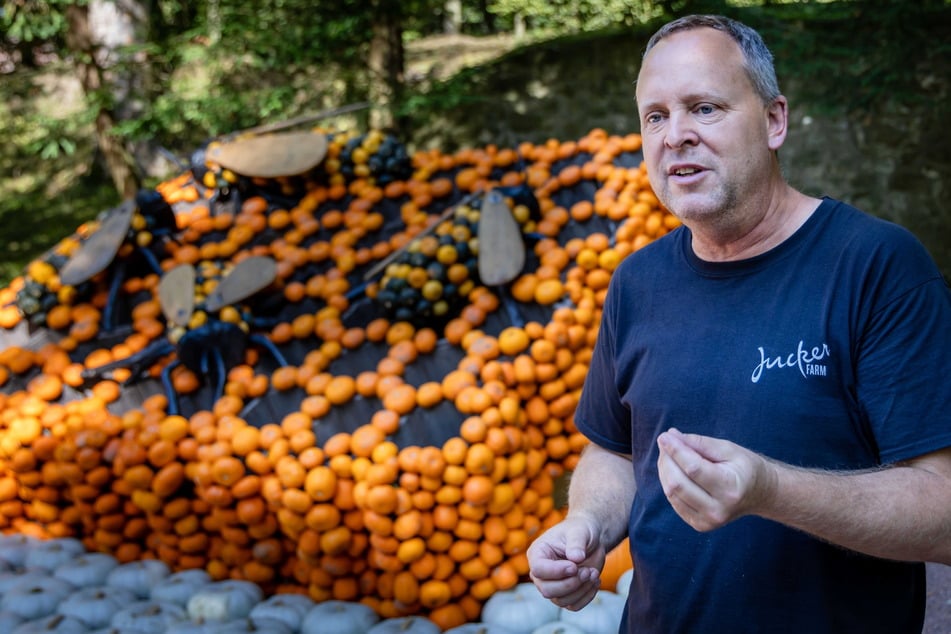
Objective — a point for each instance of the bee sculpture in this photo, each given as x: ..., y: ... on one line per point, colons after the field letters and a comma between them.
x: 208, y: 329
x: 125, y: 241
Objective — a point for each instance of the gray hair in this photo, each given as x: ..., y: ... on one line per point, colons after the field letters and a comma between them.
x: 758, y: 61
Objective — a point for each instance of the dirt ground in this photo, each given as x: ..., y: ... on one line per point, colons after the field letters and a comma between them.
x: 440, y: 56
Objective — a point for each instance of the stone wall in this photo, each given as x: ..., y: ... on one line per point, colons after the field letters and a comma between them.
x: 894, y: 162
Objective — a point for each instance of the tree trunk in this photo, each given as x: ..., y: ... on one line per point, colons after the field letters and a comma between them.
x: 214, y: 21
x: 519, y: 25
x: 385, y: 65
x: 86, y: 54
x: 452, y: 21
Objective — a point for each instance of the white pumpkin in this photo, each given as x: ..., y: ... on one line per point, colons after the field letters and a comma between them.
x: 148, y: 617
x: 557, y: 627
x: 339, y: 617
x: 290, y: 609
x: 242, y: 626
x: 9, y: 621
x: 36, y: 600
x: 9, y: 580
x: 95, y: 606
x: 520, y: 609
x: 88, y: 569
x: 138, y: 576
x: 50, y: 554
x: 14, y: 548
x: 624, y: 582
x: 54, y: 623
x: 239, y: 626
x: 224, y: 601
x: 180, y: 586
x: 601, y: 616
x: 478, y: 628
x: 405, y: 625
x: 190, y: 627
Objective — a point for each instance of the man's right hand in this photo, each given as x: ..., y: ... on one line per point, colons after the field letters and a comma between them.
x: 565, y: 562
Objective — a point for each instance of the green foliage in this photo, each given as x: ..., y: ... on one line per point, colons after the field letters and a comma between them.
x: 280, y: 33
x: 441, y: 96
x: 54, y: 145
x: 199, y: 92
x: 38, y: 207
x: 34, y: 20
x: 267, y: 61
x: 865, y: 45
x: 575, y: 15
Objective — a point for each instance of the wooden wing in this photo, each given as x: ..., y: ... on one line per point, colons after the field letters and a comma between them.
x: 501, y: 247
x: 247, y: 278
x: 99, y: 250
x: 176, y: 293
x: 271, y: 155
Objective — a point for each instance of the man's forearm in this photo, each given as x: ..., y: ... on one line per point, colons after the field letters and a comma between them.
x: 602, y: 487
x: 902, y: 512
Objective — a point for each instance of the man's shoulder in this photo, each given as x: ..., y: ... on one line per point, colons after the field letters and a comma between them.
x: 874, y: 239
x: 879, y: 260
x: 863, y: 225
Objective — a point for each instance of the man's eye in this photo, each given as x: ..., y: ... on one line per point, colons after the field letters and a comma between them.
x: 705, y: 109
x: 652, y: 118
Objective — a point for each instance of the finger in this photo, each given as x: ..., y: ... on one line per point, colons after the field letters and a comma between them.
x: 704, y: 494
x: 581, y: 598
x: 578, y: 542
x: 682, y: 468
x: 713, y: 449
x: 547, y: 569
x: 722, y: 477
x: 548, y: 556
x: 697, y: 467
x: 687, y: 497
x: 573, y: 593
x: 560, y: 591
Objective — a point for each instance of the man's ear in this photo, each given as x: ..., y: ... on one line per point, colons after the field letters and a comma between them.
x: 777, y: 120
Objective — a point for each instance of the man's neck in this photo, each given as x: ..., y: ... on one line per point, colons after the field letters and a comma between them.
x: 747, y: 234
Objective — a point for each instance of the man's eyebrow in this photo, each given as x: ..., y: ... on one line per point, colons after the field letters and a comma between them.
x: 646, y: 105
x: 691, y: 98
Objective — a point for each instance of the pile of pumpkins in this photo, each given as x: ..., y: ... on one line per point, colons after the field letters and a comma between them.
x: 56, y: 586
x: 380, y: 458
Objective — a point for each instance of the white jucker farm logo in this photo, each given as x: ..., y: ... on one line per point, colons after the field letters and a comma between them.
x: 804, y: 359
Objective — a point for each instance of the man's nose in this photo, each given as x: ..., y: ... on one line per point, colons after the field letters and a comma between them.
x: 680, y: 131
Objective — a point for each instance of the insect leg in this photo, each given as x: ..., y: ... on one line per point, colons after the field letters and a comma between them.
x: 169, y: 388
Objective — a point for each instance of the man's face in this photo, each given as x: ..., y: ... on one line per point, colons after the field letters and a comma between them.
x: 706, y: 133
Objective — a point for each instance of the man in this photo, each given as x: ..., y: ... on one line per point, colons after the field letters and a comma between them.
x: 768, y: 402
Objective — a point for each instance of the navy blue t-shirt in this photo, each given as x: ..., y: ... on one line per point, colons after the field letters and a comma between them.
x: 830, y: 351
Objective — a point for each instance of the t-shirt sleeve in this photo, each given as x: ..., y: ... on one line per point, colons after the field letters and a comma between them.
x: 903, y: 369
x: 600, y: 415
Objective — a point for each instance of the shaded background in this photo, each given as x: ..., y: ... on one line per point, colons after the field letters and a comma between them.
x: 867, y: 82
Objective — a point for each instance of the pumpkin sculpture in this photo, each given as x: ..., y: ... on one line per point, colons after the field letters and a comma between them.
x: 403, y: 463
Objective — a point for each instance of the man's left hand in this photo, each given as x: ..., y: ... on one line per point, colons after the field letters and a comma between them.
x: 711, y: 482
